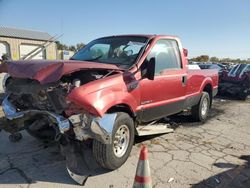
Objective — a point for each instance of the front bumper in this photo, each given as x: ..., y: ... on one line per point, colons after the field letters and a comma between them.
x: 12, y: 114
x: 79, y: 163
x: 99, y: 128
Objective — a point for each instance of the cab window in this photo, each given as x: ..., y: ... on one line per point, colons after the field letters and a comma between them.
x: 166, y: 54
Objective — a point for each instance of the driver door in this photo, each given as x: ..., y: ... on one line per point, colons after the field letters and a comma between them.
x: 165, y: 94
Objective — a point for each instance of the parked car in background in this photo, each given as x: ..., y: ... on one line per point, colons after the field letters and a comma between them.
x: 218, y: 67
x: 236, y: 82
x: 237, y: 73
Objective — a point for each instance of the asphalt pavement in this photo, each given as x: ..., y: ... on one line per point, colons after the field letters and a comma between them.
x: 214, y: 154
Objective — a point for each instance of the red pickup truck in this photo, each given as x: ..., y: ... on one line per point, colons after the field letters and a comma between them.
x: 108, y: 89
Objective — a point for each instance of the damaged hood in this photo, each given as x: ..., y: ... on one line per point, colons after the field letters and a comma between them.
x: 46, y: 71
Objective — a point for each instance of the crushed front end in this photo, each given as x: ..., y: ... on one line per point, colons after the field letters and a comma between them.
x: 44, y: 111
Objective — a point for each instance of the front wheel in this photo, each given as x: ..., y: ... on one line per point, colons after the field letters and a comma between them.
x: 112, y: 156
x: 201, y: 110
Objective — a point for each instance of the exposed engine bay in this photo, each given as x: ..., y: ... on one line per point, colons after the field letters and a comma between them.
x: 42, y: 107
x: 28, y: 94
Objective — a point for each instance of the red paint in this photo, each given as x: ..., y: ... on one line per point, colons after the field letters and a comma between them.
x: 142, y: 180
x: 49, y: 71
x: 144, y: 153
x: 100, y: 95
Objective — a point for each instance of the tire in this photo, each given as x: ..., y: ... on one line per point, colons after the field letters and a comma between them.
x: 243, y: 96
x: 201, y: 110
x: 110, y: 156
x: 45, y: 133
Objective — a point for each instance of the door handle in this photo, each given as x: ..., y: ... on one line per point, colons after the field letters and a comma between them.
x: 184, y: 80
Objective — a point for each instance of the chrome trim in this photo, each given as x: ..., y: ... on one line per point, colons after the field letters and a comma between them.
x: 102, y: 127
x: 11, y: 113
x: 99, y: 128
x: 80, y: 179
x: 77, y: 120
x: 5, y: 77
x: 106, y: 122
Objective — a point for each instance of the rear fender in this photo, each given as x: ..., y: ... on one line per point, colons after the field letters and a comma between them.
x: 205, y: 82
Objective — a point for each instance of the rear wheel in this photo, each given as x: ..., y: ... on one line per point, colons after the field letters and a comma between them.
x: 112, y: 156
x: 201, y: 110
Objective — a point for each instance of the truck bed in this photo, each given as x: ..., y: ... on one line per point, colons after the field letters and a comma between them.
x: 196, y: 78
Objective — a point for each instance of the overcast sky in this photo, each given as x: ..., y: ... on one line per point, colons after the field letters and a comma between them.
x: 213, y: 27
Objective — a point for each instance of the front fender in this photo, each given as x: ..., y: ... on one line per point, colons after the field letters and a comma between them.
x: 112, y: 99
x: 100, y: 101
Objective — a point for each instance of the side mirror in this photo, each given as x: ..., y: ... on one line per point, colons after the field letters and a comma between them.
x: 148, y: 69
x: 185, y: 52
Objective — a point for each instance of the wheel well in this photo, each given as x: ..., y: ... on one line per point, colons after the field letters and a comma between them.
x: 208, y: 89
x: 121, y: 108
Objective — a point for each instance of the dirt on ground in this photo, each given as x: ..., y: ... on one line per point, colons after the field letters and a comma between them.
x: 214, y: 154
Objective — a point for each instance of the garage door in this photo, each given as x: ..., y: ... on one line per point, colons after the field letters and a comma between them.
x: 26, y: 48
x: 4, y: 49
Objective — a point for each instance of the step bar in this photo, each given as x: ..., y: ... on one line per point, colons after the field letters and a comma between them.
x: 143, y: 130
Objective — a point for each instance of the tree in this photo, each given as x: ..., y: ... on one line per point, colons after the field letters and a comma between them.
x: 79, y: 46
x: 226, y: 60
x: 202, y: 58
x: 61, y: 46
x: 214, y: 59
x: 74, y: 48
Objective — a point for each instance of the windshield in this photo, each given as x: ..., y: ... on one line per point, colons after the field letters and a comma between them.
x: 118, y: 50
x: 240, y: 69
x: 232, y: 71
x: 247, y: 69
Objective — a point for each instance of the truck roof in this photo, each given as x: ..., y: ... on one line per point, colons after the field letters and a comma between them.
x: 141, y: 35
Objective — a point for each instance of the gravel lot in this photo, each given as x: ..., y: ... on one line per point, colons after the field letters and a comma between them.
x: 195, y: 155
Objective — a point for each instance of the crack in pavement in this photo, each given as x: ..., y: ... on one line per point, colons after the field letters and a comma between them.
x: 188, y: 155
x: 211, y: 143
x: 18, y: 170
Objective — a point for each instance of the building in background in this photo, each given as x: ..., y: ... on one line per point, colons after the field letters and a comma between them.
x: 65, y: 54
x: 16, y: 43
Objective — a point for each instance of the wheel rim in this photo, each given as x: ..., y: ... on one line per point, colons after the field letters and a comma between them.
x: 204, y: 107
x: 121, y: 141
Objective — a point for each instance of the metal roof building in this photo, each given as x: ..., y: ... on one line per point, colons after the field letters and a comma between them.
x: 19, y: 42
x: 24, y: 34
